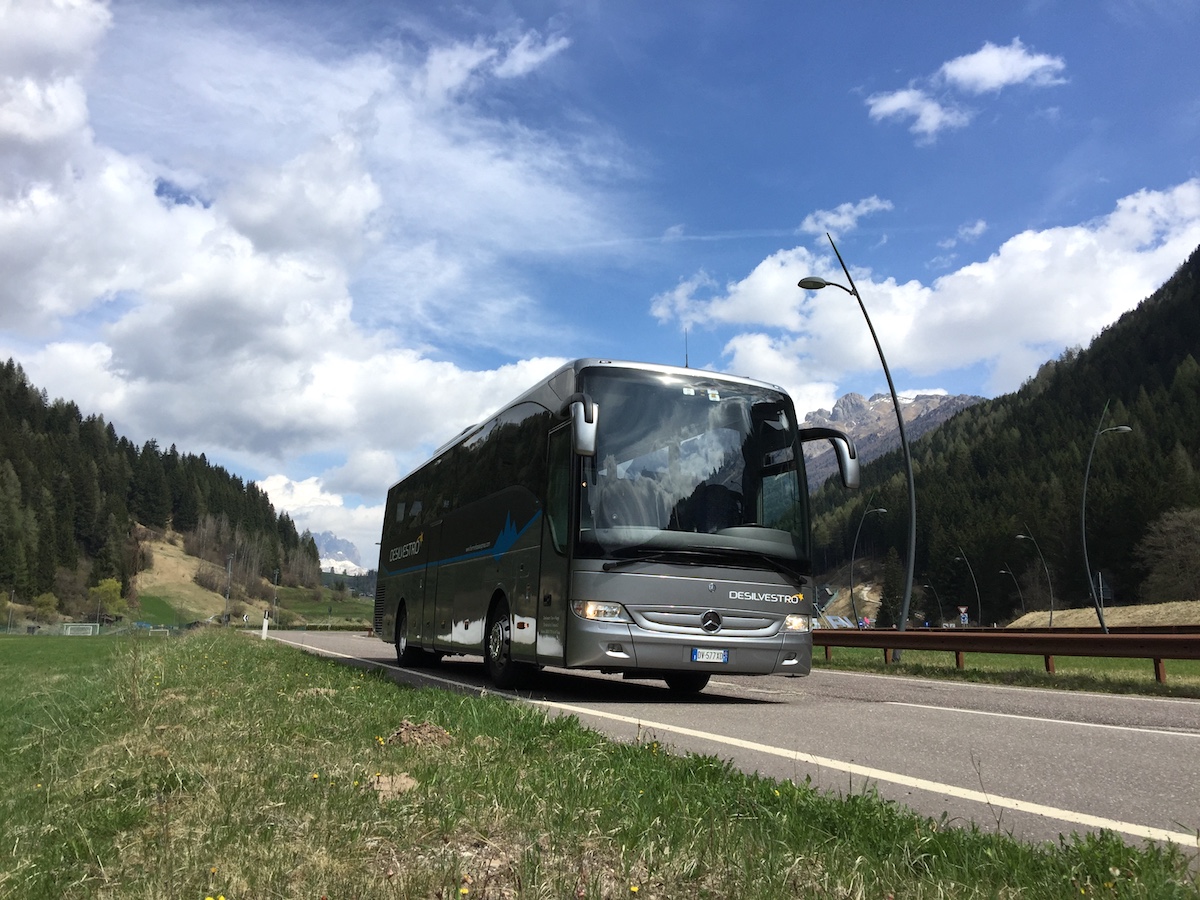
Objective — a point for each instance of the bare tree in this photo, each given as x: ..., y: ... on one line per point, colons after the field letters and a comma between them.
x: 1170, y: 553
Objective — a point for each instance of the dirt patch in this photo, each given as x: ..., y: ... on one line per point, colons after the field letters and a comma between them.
x: 389, y: 787
x: 420, y: 734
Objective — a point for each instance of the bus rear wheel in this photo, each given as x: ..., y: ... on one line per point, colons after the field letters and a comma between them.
x: 406, y: 653
x: 687, y: 682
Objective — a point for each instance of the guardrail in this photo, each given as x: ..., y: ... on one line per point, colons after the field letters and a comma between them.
x: 1156, y: 646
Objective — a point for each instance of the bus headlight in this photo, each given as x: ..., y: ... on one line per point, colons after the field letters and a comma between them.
x: 797, y: 623
x: 603, y: 611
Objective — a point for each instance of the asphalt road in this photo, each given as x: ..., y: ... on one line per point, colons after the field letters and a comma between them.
x: 1033, y: 763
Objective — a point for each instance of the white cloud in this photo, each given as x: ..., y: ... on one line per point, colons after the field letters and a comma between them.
x: 992, y: 68
x: 1040, y: 292
x: 929, y: 116
x: 529, y: 53
x: 987, y: 70
x: 263, y: 280
x: 844, y: 218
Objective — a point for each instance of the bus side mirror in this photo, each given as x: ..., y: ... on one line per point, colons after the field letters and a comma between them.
x: 584, y: 413
x: 843, y: 446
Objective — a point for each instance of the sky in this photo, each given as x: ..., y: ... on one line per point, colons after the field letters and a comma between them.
x: 313, y: 241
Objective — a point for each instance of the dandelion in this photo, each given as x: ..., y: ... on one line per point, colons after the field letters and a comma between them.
x: 633, y: 889
x: 315, y: 776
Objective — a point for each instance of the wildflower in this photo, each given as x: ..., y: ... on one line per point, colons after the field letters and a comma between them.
x: 315, y: 776
x: 633, y: 889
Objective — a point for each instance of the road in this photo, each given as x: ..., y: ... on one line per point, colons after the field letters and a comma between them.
x: 1033, y: 763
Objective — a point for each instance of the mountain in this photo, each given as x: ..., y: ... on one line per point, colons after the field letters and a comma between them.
x: 872, y: 425
x: 338, y: 555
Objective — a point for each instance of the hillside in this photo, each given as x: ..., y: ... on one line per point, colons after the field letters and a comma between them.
x: 1016, y: 465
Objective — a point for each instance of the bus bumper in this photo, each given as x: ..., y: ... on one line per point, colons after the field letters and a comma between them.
x: 623, y: 647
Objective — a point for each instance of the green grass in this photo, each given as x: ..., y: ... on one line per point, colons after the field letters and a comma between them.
x: 337, y: 610
x: 160, y: 611
x: 1113, y: 676
x: 217, y: 764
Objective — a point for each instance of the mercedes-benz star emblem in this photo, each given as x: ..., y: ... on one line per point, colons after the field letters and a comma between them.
x: 711, y: 621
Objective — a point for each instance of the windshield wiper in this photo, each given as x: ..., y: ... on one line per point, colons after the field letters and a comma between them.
x: 651, y: 556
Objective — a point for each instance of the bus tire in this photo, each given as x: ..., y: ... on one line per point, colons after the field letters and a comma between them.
x: 406, y: 653
x: 497, y: 648
x: 686, y: 682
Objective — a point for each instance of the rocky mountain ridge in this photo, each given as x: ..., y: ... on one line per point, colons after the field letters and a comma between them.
x: 871, y: 422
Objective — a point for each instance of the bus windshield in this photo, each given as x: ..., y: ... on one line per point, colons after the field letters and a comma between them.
x: 692, y: 464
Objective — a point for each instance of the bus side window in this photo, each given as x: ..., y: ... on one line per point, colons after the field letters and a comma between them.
x: 558, y: 490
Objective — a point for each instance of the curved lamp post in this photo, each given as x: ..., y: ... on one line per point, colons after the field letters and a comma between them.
x: 978, y: 600
x: 1049, y: 584
x: 815, y: 284
x: 1008, y: 571
x: 941, y: 610
x: 853, y: 550
x: 1119, y: 429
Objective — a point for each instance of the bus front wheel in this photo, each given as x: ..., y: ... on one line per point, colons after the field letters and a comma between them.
x: 497, y: 648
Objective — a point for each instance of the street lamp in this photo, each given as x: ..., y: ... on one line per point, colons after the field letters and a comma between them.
x: 1119, y: 429
x: 978, y: 601
x: 853, y: 550
x: 941, y: 610
x: 815, y: 284
x: 1049, y: 584
x: 1008, y: 571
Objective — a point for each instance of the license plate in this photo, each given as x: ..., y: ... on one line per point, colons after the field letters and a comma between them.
x: 706, y: 654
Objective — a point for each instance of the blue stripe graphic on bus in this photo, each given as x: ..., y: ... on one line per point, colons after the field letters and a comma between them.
x: 508, y: 536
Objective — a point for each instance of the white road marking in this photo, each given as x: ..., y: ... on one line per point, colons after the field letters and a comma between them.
x: 980, y: 712
x: 947, y: 790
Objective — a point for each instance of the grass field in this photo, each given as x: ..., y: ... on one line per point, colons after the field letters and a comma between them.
x: 219, y: 765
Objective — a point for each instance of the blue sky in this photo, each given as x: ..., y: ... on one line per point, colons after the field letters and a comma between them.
x: 314, y: 241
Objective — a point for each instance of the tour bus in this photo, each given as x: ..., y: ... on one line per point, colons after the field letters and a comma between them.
x: 639, y: 519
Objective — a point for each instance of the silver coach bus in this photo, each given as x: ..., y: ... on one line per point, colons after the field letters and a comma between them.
x: 639, y: 519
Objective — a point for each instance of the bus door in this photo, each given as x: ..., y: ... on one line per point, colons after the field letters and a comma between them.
x: 556, y: 542
x: 437, y: 614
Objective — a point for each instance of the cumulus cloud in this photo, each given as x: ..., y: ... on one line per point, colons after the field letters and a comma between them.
x: 992, y: 68
x: 929, y: 116
x: 930, y: 103
x: 1040, y: 292
x: 239, y: 245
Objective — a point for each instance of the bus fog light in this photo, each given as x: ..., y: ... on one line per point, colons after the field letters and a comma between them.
x: 594, y: 609
x: 797, y: 623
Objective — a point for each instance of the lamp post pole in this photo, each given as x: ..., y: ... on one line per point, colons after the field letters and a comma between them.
x: 1007, y: 570
x: 228, y: 583
x: 815, y: 284
x: 978, y: 600
x: 1119, y: 429
x: 941, y: 610
x: 853, y: 550
x: 1049, y: 583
